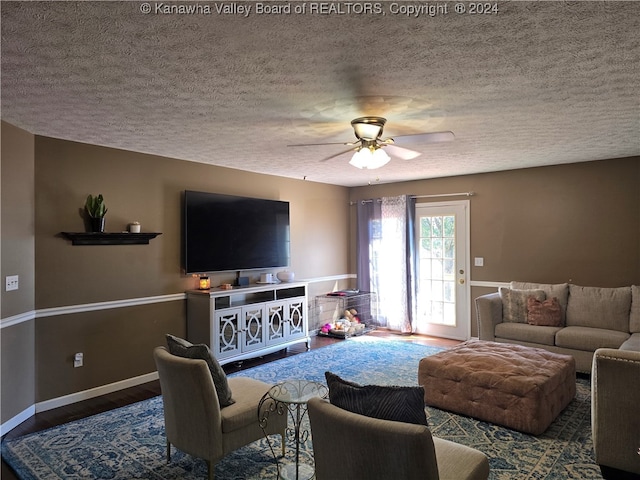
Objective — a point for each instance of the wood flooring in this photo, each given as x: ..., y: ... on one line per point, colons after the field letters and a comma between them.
x: 75, y: 411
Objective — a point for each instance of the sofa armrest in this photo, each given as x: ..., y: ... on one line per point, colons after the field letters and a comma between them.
x: 615, y: 409
x: 489, y: 314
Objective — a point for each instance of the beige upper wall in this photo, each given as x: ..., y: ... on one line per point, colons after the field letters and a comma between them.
x: 576, y: 223
x: 17, y: 349
x: 17, y: 227
x: 148, y: 189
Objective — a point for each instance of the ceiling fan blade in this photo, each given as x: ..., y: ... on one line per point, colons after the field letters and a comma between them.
x: 402, y: 153
x: 433, y: 137
x: 339, y: 153
x: 319, y: 144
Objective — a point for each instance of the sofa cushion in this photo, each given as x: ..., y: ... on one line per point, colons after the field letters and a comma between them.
x: 524, y: 332
x: 243, y: 412
x: 400, y: 404
x: 514, y: 303
x: 634, y: 318
x: 557, y: 290
x: 632, y: 343
x: 544, y: 313
x: 182, y: 348
x: 589, y: 339
x: 596, y: 307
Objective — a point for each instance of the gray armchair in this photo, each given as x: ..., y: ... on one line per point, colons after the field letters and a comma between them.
x: 194, y: 421
x: 615, y: 412
x: 354, y: 447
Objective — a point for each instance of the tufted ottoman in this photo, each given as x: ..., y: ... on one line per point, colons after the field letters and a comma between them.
x: 522, y: 388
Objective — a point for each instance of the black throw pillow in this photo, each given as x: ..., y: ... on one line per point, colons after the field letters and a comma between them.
x: 183, y: 348
x: 400, y: 404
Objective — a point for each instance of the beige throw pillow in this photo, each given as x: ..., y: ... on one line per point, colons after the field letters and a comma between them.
x: 514, y: 303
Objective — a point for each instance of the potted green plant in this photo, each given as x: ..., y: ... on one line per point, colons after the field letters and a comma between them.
x: 96, y: 209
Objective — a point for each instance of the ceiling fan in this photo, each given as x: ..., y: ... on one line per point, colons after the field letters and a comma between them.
x: 368, y: 147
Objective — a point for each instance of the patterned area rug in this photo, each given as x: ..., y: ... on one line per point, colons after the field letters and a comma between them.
x: 129, y: 442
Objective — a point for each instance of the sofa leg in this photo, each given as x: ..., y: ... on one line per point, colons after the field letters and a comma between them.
x: 168, y: 452
x: 211, y: 468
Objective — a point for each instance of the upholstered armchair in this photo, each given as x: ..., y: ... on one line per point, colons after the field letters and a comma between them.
x: 194, y: 421
x: 350, y: 446
x: 615, y: 412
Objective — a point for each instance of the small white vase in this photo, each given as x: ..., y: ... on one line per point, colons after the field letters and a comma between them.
x: 285, y: 276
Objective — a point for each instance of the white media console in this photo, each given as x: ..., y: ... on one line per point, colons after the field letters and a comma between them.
x: 248, y: 321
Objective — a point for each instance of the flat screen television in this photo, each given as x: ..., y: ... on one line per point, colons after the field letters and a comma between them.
x: 226, y: 233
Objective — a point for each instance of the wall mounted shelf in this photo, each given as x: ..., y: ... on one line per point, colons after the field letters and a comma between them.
x: 119, y: 238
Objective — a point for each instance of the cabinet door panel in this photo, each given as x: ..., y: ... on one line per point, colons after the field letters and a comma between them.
x: 253, y: 331
x: 275, y: 323
x: 296, y: 318
x: 227, y: 340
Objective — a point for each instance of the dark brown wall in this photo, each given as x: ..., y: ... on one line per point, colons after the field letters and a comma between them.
x: 576, y: 223
x: 17, y: 258
x: 117, y: 344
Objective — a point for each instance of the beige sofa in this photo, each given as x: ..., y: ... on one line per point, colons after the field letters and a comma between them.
x: 591, y: 318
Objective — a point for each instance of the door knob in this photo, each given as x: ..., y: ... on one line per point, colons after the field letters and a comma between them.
x: 461, y: 281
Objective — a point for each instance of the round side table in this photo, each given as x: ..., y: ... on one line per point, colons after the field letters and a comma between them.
x: 290, y: 398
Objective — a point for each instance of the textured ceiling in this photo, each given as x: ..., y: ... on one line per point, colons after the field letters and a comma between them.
x: 538, y: 83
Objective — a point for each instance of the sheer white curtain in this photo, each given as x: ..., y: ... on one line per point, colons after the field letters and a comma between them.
x: 385, y: 258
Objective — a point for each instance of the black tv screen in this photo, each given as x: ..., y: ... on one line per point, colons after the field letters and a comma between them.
x: 224, y: 233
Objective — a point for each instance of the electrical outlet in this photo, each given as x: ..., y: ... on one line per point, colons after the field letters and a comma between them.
x: 479, y: 261
x: 11, y: 283
x: 78, y: 360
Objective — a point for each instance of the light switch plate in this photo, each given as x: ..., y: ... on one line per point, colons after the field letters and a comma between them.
x: 78, y: 360
x: 478, y: 261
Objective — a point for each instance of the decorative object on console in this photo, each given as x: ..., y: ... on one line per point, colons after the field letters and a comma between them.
x: 96, y: 209
x: 204, y: 283
x: 285, y: 276
x: 134, y: 227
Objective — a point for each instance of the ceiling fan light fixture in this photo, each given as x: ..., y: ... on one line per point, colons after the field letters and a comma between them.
x: 370, y: 158
x: 368, y: 128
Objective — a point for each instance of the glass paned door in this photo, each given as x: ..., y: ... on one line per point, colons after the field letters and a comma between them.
x: 441, y: 242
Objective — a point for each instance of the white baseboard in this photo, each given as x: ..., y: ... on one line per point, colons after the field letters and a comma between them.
x: 94, y: 392
x: 17, y: 420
